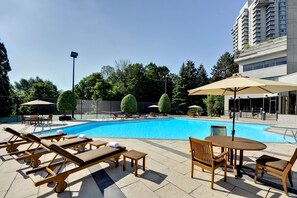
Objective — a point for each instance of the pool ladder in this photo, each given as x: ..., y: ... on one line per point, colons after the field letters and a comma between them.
x: 294, y: 135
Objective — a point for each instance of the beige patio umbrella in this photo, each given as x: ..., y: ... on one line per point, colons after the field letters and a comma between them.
x: 37, y: 103
x: 153, y: 106
x: 238, y: 84
x: 194, y: 106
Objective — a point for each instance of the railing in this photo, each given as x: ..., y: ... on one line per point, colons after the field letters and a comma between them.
x: 252, y: 115
x: 294, y: 135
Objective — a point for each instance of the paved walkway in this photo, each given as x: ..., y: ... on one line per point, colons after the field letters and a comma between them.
x: 167, y: 174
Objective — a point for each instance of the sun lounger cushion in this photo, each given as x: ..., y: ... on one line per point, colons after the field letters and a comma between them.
x: 98, y: 154
x: 84, y: 158
x: 73, y: 142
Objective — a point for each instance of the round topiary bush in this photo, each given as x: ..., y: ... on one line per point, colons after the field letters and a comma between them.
x: 129, y: 104
x: 164, y: 104
x: 66, y: 102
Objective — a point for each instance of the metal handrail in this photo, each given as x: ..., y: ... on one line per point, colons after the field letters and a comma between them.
x: 294, y: 134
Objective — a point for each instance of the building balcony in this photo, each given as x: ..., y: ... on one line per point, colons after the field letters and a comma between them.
x: 270, y: 28
x: 261, y: 3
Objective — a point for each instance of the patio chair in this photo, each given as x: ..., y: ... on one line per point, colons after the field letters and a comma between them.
x: 32, y: 155
x: 218, y: 130
x: 49, y: 119
x: 33, y: 119
x: 202, y: 156
x: 59, y: 171
x: 276, y: 167
x: 24, y: 120
x: 18, y: 139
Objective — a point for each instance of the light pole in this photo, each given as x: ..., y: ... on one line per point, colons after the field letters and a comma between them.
x: 74, y: 56
x: 166, y: 76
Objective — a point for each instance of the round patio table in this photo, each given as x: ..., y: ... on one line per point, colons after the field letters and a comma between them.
x: 240, y: 144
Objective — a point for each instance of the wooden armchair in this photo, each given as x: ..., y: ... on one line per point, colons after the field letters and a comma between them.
x: 202, y: 156
x: 276, y: 167
x: 33, y: 119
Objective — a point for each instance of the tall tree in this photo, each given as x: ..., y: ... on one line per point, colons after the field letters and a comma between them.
x: 156, y: 78
x: 224, y: 68
x: 188, y: 80
x: 202, y: 76
x: 5, y: 91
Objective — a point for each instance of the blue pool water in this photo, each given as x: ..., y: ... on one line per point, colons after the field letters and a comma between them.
x: 172, y: 128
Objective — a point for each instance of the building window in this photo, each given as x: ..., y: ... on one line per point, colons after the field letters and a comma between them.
x: 292, y: 102
x: 265, y: 64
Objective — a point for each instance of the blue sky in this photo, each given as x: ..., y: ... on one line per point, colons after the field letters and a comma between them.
x: 39, y: 35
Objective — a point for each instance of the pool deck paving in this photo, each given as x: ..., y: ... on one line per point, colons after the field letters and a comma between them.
x: 167, y: 174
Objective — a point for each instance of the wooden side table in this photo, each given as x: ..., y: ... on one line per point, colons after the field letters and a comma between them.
x: 97, y: 144
x: 134, y: 156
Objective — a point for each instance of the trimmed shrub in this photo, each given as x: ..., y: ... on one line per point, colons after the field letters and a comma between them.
x: 129, y: 104
x: 66, y: 102
x: 164, y: 104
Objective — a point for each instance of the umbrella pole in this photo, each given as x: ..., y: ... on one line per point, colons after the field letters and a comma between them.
x: 233, y: 117
x: 233, y: 130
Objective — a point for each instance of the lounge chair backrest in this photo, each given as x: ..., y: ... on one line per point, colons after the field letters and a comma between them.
x: 201, y: 150
x: 218, y: 130
x: 31, y: 136
x: 10, y: 130
x: 64, y: 153
x: 16, y: 133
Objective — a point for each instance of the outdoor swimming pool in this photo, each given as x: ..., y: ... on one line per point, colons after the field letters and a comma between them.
x: 171, y: 128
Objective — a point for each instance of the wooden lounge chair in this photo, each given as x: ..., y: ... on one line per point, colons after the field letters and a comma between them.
x: 276, y: 167
x: 17, y: 139
x: 202, y: 156
x: 81, y: 160
x: 32, y: 155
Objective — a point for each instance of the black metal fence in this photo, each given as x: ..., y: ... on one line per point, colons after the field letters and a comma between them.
x: 85, y: 109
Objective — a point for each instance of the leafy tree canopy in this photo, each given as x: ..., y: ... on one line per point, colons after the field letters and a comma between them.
x: 214, y: 104
x: 36, y: 88
x: 92, y: 87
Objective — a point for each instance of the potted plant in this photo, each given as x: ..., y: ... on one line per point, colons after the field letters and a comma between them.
x: 66, y: 103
